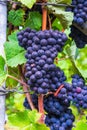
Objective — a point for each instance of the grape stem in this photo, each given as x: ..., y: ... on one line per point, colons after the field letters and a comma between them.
x: 41, y: 97
x: 49, y: 20
x: 58, y: 90
x: 44, y: 18
x: 25, y: 88
x: 41, y: 107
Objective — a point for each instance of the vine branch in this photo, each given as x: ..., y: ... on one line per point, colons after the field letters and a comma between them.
x: 58, y: 90
x: 41, y: 97
x: 41, y: 107
x: 44, y: 18
x: 25, y: 88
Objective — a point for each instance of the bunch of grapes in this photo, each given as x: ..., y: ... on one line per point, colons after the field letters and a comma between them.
x: 62, y: 122
x: 78, y: 96
x: 79, y: 37
x: 80, y: 11
x: 53, y: 106
x: 80, y: 18
x: 59, y: 117
x: 43, y: 76
x: 42, y: 48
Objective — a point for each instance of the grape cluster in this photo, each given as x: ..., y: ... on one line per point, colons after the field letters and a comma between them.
x: 42, y: 48
x: 62, y: 122
x: 80, y: 11
x: 79, y: 37
x: 79, y: 92
x: 43, y: 76
x: 53, y: 106
x: 59, y: 117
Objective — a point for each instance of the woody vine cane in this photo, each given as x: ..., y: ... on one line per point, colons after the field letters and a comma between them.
x: 41, y: 96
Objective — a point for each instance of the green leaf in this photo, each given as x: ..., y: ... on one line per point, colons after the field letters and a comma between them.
x: 19, y: 119
x: 16, y: 60
x: 30, y: 127
x: 71, y: 53
x: 61, y: 1
x: 34, y: 116
x: 57, y: 25
x: 67, y: 60
x: 64, y: 1
x: 25, y: 119
x: 81, y: 125
x: 16, y: 17
x: 42, y: 127
x: 3, y: 77
x: 78, y: 59
x: 14, y: 72
x: 36, y: 127
x: 81, y: 61
x: 13, y: 36
x: 18, y: 105
x: 2, y: 64
x: 34, y: 20
x: 3, y: 73
x: 74, y: 111
x: 28, y: 3
x: 14, y: 53
x: 65, y: 18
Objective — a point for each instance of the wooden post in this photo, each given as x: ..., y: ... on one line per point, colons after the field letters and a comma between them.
x: 3, y: 25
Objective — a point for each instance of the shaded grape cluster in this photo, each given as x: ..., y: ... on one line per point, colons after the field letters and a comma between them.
x: 59, y: 117
x: 80, y: 11
x: 53, y: 105
x: 79, y: 92
x: 79, y: 37
x: 62, y: 122
x: 42, y: 48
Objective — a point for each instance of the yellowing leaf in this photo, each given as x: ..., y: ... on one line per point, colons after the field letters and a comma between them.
x: 28, y: 3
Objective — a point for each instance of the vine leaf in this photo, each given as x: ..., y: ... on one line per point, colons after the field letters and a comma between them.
x: 18, y: 105
x: 2, y: 64
x: 3, y: 73
x: 81, y: 61
x: 29, y: 127
x: 61, y: 1
x: 57, y: 25
x: 3, y: 77
x: 75, y: 111
x: 71, y: 53
x: 34, y: 116
x: 81, y: 125
x: 78, y: 59
x: 16, y: 17
x: 42, y: 127
x: 14, y: 72
x: 28, y: 3
x: 13, y: 36
x: 34, y: 20
x: 14, y: 53
x: 19, y: 119
x: 65, y: 18
x: 36, y: 127
x: 26, y: 120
